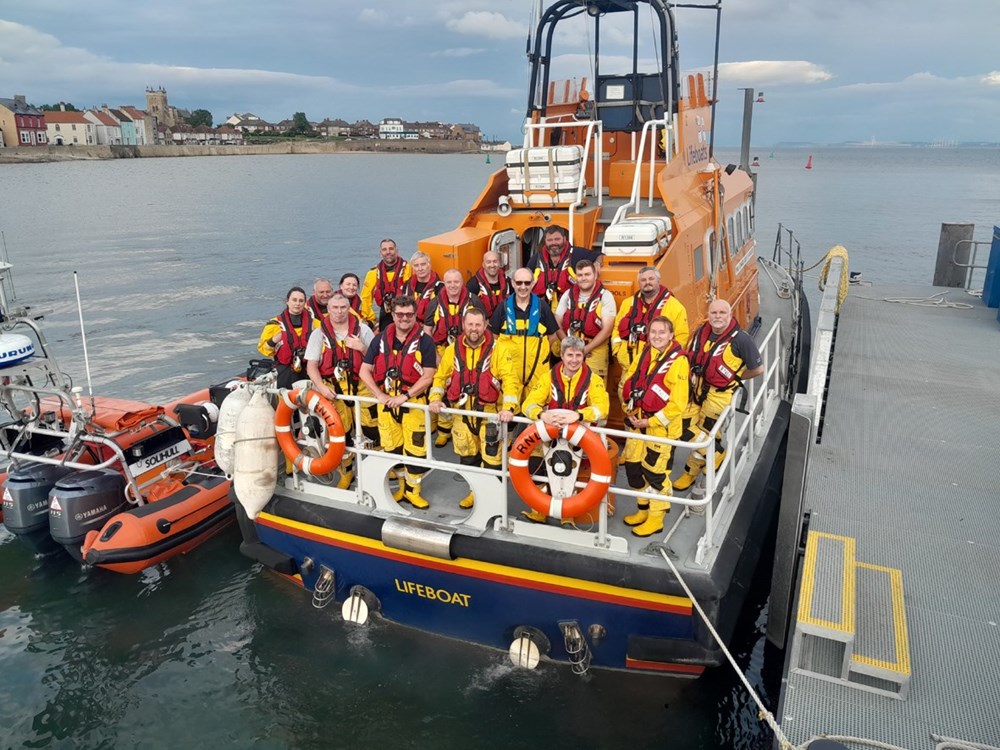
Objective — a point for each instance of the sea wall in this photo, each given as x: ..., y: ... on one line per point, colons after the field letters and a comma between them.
x: 77, y: 152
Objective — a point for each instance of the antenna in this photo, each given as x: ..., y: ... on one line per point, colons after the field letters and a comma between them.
x: 83, y: 334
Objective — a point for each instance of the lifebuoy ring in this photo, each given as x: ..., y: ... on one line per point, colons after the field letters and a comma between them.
x: 576, y: 434
x: 311, y: 401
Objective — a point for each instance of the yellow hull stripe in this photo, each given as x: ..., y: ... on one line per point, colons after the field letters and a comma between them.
x: 847, y: 596
x: 493, y: 571
x: 902, y: 638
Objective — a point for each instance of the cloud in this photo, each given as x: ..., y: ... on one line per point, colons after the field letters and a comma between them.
x: 478, y: 88
x: 488, y: 24
x: 373, y: 16
x: 458, y: 52
x: 992, y: 78
x: 773, y: 72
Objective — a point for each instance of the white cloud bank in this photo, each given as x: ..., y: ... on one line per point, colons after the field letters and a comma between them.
x: 488, y: 24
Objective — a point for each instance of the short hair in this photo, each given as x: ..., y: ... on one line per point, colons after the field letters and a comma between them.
x: 293, y: 290
x: 647, y: 269
x: 573, y: 342
x: 470, y: 310
x: 404, y: 301
x: 523, y: 268
x: 581, y: 264
x: 387, y: 239
x: 349, y: 275
x: 320, y: 280
x: 338, y: 295
x: 451, y: 271
x: 661, y: 319
x: 493, y: 253
x: 553, y: 228
x: 419, y: 255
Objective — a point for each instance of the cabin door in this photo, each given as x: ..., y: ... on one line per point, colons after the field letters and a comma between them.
x: 505, y: 244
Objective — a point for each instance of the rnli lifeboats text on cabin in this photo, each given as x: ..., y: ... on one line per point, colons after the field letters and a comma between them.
x: 428, y: 592
x: 696, y: 154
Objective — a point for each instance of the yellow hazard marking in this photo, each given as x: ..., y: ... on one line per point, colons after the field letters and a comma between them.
x: 900, y: 633
x: 847, y: 596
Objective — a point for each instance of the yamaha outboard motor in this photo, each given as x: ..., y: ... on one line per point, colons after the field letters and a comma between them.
x: 26, y: 504
x: 82, y: 502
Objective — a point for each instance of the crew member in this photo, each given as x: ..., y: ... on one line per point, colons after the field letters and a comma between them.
x: 399, y: 367
x: 423, y: 284
x: 285, y: 336
x: 655, y: 395
x: 322, y: 291
x: 525, y: 327
x: 632, y: 322
x: 587, y: 311
x: 573, y: 390
x: 723, y: 357
x: 472, y: 377
x: 349, y: 286
x: 333, y: 360
x: 443, y: 323
x: 490, y: 284
x: 552, y: 266
x: 382, y: 283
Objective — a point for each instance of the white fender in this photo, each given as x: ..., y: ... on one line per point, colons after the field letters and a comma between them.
x: 255, y: 464
x: 15, y: 348
x: 225, y: 434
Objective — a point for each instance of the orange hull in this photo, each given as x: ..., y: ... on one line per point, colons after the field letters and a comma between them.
x: 176, y: 523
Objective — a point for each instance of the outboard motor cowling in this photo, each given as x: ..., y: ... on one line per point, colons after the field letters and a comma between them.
x: 26, y: 504
x: 81, y: 502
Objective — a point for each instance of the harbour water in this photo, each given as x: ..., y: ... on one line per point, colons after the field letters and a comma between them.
x: 180, y: 261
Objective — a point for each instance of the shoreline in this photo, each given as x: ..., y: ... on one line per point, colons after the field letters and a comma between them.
x: 43, y: 154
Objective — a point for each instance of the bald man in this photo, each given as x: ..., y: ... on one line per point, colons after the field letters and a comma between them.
x: 722, y: 357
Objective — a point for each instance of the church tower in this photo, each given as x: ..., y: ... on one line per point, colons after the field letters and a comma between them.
x: 156, y: 105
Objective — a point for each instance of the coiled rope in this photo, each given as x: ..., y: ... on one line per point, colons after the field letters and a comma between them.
x: 845, y: 278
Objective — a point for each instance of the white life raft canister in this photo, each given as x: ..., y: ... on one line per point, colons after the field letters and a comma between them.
x: 15, y: 348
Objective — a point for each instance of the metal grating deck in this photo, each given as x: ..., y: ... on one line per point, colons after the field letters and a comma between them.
x: 909, y: 465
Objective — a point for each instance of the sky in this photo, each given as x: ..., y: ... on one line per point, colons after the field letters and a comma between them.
x: 853, y: 70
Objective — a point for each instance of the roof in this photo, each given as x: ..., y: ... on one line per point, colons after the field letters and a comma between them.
x: 133, y: 112
x: 122, y: 117
x: 20, y: 109
x: 66, y: 118
x: 104, y: 118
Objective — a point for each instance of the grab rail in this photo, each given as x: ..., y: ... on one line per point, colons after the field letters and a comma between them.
x: 740, y: 436
x: 635, y: 199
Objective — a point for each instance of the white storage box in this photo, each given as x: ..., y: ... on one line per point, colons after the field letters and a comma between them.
x: 546, y: 176
x: 637, y: 238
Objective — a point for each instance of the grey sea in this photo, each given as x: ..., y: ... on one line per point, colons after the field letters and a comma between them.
x: 179, y: 263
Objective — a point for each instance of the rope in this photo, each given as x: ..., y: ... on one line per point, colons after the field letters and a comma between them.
x: 764, y: 714
x: 853, y: 740
x: 835, y: 252
x: 935, y: 300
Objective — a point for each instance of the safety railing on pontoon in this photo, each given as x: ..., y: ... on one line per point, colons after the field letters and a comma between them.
x: 490, y: 509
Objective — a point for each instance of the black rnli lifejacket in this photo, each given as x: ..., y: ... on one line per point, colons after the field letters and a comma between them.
x: 477, y: 381
x: 707, y: 356
x: 386, y: 289
x: 639, y: 316
x: 424, y: 293
x: 448, y: 325
x: 292, y: 342
x: 398, y: 368
x: 647, y: 389
x: 491, y: 297
x: 337, y: 354
x: 572, y: 401
x: 583, y: 318
x: 554, y: 274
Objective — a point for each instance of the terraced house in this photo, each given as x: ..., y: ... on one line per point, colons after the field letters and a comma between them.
x: 21, y: 123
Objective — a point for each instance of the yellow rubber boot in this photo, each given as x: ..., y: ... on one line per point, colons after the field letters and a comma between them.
x: 398, y: 493
x: 534, y: 516
x: 654, y: 521
x: 413, y: 497
x: 346, y: 477
x: 467, y: 502
x: 641, y: 514
x: 719, y: 458
x: 442, y: 439
x: 685, y: 480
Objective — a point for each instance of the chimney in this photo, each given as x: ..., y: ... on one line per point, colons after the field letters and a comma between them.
x: 19, y: 100
x: 62, y: 107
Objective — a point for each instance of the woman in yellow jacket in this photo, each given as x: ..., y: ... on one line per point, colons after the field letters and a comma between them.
x: 286, y: 335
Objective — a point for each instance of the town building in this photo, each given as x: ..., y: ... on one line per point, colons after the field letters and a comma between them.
x: 21, y: 123
x: 159, y: 108
x: 109, y: 132
x: 70, y: 129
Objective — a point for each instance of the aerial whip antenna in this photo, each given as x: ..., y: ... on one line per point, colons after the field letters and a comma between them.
x: 83, y: 335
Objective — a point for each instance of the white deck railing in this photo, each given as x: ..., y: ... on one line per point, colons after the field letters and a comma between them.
x: 490, y: 486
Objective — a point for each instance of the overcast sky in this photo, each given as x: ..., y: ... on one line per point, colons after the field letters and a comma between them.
x: 831, y: 71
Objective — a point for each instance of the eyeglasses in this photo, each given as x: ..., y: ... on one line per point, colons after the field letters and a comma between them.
x: 404, y: 315
x: 522, y: 283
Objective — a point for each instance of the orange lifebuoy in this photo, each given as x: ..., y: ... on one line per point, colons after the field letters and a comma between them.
x: 315, y: 404
x: 576, y: 434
